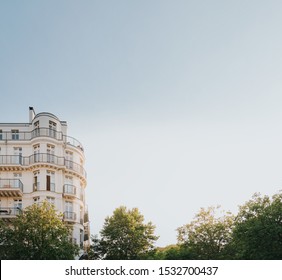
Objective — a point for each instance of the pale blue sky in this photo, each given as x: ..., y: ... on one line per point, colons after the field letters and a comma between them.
x: 178, y: 103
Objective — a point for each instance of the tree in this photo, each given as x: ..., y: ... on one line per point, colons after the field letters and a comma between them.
x: 258, y: 229
x: 171, y: 252
x: 207, y: 236
x: 124, y: 236
x: 96, y: 250
x: 37, y: 234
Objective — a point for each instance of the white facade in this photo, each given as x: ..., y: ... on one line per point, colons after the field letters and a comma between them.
x: 39, y: 161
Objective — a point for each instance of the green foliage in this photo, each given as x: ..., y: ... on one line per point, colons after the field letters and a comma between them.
x: 254, y: 233
x: 96, y: 250
x: 258, y: 229
x: 171, y: 252
x: 177, y: 252
x: 37, y: 234
x: 207, y: 236
x: 124, y: 236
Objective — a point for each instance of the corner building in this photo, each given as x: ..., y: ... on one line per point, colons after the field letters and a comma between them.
x: 39, y: 161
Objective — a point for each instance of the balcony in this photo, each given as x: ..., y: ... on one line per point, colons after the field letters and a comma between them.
x: 40, y: 132
x: 75, y: 167
x: 69, y: 216
x: 69, y: 191
x: 9, y: 212
x: 51, y: 187
x: 16, y: 135
x: 45, y: 158
x: 73, y: 142
x: 13, y: 161
x: 11, y: 188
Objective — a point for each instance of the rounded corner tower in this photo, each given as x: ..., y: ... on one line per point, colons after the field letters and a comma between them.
x: 39, y: 161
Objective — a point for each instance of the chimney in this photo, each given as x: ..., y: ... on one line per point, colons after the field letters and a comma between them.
x: 31, y: 114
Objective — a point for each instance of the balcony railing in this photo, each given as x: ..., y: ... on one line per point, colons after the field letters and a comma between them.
x: 7, y: 212
x: 13, y: 160
x: 11, y: 187
x: 69, y: 190
x: 40, y: 132
x: 73, y: 142
x: 41, y: 158
x: 11, y: 183
x: 69, y: 216
x: 51, y: 187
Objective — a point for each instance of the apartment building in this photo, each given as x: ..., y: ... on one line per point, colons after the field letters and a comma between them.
x: 40, y: 161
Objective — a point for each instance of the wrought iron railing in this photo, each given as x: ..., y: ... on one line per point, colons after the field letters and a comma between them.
x: 42, y: 158
x: 39, y: 132
x: 73, y: 142
x: 70, y: 216
x: 69, y: 189
x: 11, y: 183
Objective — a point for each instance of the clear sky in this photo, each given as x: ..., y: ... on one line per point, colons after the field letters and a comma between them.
x: 178, y: 103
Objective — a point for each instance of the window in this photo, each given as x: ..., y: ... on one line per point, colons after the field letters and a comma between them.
x: 69, y: 187
x: 69, y: 180
x: 68, y: 206
x: 36, y: 153
x: 69, y: 159
x: 36, y: 131
x: 50, y: 153
x: 81, y: 215
x: 15, y: 134
x: 17, y: 157
x: 69, y: 214
x: 50, y: 181
x: 36, y: 200
x: 36, y: 184
x: 18, y: 205
x: 50, y: 200
x: 52, y: 129
x: 17, y: 177
x: 1, y: 134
